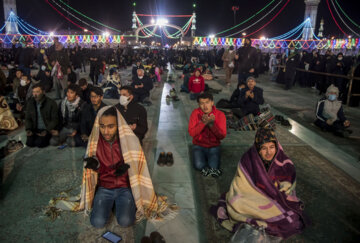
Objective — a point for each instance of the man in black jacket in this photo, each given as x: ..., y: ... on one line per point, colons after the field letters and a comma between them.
x: 292, y: 62
x: 89, y: 112
x: 250, y: 98
x: 247, y: 61
x: 134, y: 113
x: 69, y: 119
x: 41, y: 118
x: 94, y: 65
x: 142, y: 85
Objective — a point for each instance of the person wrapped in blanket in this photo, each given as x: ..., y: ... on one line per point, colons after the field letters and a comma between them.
x: 330, y: 115
x: 262, y: 193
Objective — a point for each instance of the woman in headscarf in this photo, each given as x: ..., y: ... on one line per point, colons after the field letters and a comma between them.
x: 262, y: 193
x: 330, y: 114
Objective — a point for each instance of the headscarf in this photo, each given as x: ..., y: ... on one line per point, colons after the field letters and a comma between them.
x: 264, y: 135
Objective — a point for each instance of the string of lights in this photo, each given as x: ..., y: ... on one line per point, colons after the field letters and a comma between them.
x: 346, y: 14
x: 78, y: 12
x: 245, y: 21
x: 332, y: 15
x: 52, y: 6
x: 290, y: 33
x: 283, y: 7
x: 8, y: 19
x: 337, y: 12
x: 166, y: 16
x: 29, y: 25
x: 241, y: 31
x: 68, y: 12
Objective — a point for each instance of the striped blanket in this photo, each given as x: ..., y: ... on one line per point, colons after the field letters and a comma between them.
x: 262, y: 198
x: 148, y: 204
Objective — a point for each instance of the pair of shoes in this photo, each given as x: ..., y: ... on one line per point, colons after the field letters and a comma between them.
x: 172, y: 92
x: 155, y: 237
x: 165, y: 159
x: 286, y: 123
x: 205, y: 172
x: 215, y: 172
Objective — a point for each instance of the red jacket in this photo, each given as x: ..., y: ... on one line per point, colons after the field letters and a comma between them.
x: 202, y: 134
x: 110, y: 158
x: 196, y: 84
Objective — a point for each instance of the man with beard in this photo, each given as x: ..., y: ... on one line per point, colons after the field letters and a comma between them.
x: 247, y: 61
x: 41, y: 118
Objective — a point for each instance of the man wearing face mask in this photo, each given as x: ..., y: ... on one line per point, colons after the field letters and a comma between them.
x: 41, y: 118
x: 142, y: 85
x: 23, y: 93
x: 134, y: 113
x: 330, y: 114
x: 44, y: 76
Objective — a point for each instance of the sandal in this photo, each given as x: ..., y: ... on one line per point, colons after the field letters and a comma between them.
x: 13, y: 146
x: 156, y: 237
x: 162, y: 159
x: 169, y: 159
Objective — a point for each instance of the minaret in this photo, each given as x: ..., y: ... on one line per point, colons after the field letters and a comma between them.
x: 134, y: 27
x: 11, y: 25
x: 310, y: 12
x: 193, y: 25
x: 321, y: 29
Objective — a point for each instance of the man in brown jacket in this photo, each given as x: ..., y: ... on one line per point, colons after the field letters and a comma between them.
x: 229, y: 63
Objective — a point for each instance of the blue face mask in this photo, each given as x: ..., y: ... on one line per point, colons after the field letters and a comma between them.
x: 332, y: 97
x: 240, y: 88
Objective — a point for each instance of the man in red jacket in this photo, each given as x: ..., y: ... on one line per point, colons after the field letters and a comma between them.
x: 196, y: 84
x: 113, y: 180
x: 207, y: 126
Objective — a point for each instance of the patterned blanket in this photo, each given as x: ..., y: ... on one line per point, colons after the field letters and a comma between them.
x: 148, y: 204
x: 7, y: 120
x: 261, y: 198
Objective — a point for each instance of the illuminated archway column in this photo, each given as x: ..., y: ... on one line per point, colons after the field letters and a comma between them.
x: 310, y: 12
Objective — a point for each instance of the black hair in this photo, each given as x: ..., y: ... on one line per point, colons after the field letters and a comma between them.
x: 112, y: 111
x: 97, y: 91
x: 38, y: 86
x: 205, y: 96
x: 129, y: 89
x: 75, y: 88
x: 82, y: 82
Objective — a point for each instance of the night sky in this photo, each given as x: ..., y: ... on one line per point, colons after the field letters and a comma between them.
x: 212, y: 15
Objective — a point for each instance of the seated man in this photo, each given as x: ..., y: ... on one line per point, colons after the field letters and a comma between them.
x: 41, y: 118
x: 187, y: 72
x: 207, y: 126
x: 133, y: 113
x: 44, y: 76
x: 85, y: 88
x: 233, y: 102
x: 89, y: 112
x: 196, y: 85
x: 262, y: 192
x: 330, y: 114
x: 250, y: 98
x: 23, y: 94
x: 136, y: 67
x: 69, y: 119
x: 142, y: 86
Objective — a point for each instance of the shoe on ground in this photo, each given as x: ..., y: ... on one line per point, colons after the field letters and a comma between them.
x: 156, y: 237
x: 169, y: 159
x: 175, y: 98
x: 162, y: 159
x: 146, y: 239
x: 168, y: 97
x: 215, y: 172
x: 205, y: 172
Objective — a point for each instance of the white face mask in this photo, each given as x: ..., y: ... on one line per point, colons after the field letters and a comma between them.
x: 140, y: 77
x: 23, y: 82
x: 340, y: 58
x: 124, y: 101
x: 43, y: 68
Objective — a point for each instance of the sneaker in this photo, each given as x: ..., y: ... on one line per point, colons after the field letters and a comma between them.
x: 162, y: 159
x: 205, y: 172
x: 168, y: 97
x: 215, y: 172
x: 169, y: 159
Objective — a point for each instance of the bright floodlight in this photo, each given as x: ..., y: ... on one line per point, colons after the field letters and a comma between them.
x: 243, y: 33
x: 349, y: 36
x: 85, y: 30
x: 211, y: 36
x: 106, y: 33
x: 51, y: 33
x: 153, y: 21
x: 262, y: 38
x: 162, y: 21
